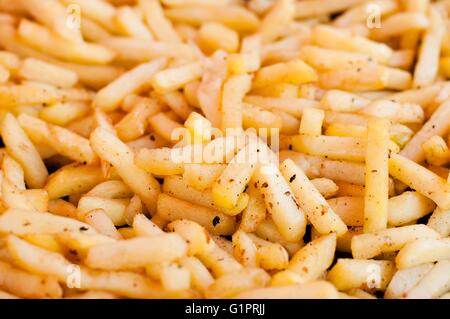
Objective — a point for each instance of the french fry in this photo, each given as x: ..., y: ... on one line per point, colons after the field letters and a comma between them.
x: 317, y: 210
x: 439, y: 221
x: 129, y: 23
x: 287, y: 215
x: 111, y: 189
x: 436, y: 151
x: 160, y: 26
x: 201, y: 279
x: 293, y: 106
x: 295, y: 72
x: 171, y: 208
x: 71, y: 51
x: 408, y: 207
x: 255, y: 212
x: 233, y: 283
x: 422, y: 251
x: 436, y: 125
x: 433, y: 284
x: 377, y: 176
x: 400, y: 23
x: 235, y: 17
x: 364, y: 274
x: 136, y: 252
x: 22, y: 150
x: 26, y: 285
x: 120, y: 156
x: 109, y: 98
x: 244, y: 249
x: 308, y: 263
x: 370, y: 245
x: 277, y: 19
x: 428, y: 60
x: 114, y: 208
x: 176, y: 187
x: 36, y: 70
x: 208, y: 40
x: 234, y: 90
x: 405, y: 279
x: 311, y: 123
x: 102, y: 223
x: 313, y: 290
x: 421, y: 179
x: 172, y: 79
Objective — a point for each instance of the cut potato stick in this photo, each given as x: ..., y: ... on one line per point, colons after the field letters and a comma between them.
x: 317, y: 210
x: 405, y: 279
x: 171, y: 209
x: 434, y: 284
x: 102, y: 223
x: 313, y: 290
x: 364, y: 274
x: 71, y: 51
x: 422, y: 251
x: 440, y: 221
x: 172, y: 79
x: 112, y: 150
x: 234, y: 90
x: 286, y: 214
x: 137, y: 252
x: 420, y: 179
x: 436, y: 125
x: 110, y: 97
x: 377, y: 176
x: 308, y: 263
x: 36, y: 70
x: 367, y: 246
x: 158, y: 24
x: 23, y: 151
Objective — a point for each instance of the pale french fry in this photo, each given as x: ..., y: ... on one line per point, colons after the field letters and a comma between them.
x: 172, y: 79
x: 400, y: 23
x: 26, y: 285
x: 397, y: 113
x: 428, y: 59
x: 129, y: 23
x: 144, y: 227
x: 201, y: 279
x: 109, y: 98
x: 436, y: 125
x: 102, y: 223
x: 22, y: 222
x: 9, y: 60
x: 277, y: 19
x: 249, y: 58
x: 62, y: 208
x: 73, y: 179
x: 332, y: 38
x: 122, y: 283
x: 167, y: 127
x: 111, y: 189
x: 377, y: 176
x: 244, y: 249
x: 333, y: 147
x: 255, y: 212
x: 326, y: 187
x: 292, y: 106
x: 177, y: 103
x: 311, y: 123
x: 270, y: 255
x: 134, y: 50
x: 24, y: 152
x: 159, y: 161
x: 405, y: 279
x: 408, y: 207
x: 208, y: 40
x: 436, y: 151
x: 176, y: 187
x: 370, y: 245
x: 317, y: 210
x: 72, y: 51
x: 283, y: 90
x: 171, y: 208
x: 364, y: 274
x: 64, y: 113
x: 175, y: 277
x: 160, y: 26
x: 233, y: 283
x: 114, y: 208
x: 313, y: 290
x: 440, y: 221
x: 308, y: 263
x: 358, y: 13
x: 93, y: 31
x: 422, y: 251
x: 433, y: 284
x: 337, y: 170
x: 111, y: 149
x: 36, y: 70
x: 136, y: 252
x: 314, y: 8
x: 234, y: 90
x: 235, y: 17
x: 421, y: 179
x: 287, y: 215
x: 295, y: 72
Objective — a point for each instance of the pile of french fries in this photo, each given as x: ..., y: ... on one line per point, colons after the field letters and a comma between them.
x: 224, y: 149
